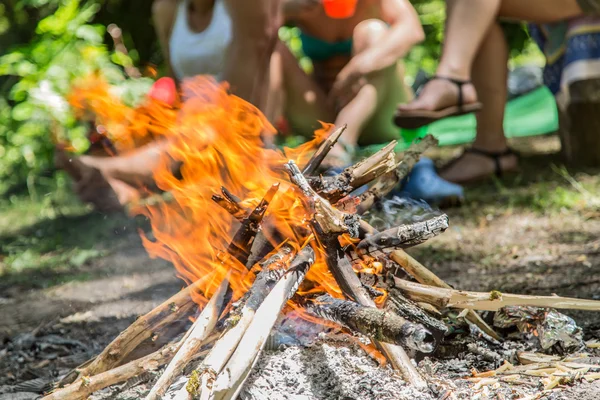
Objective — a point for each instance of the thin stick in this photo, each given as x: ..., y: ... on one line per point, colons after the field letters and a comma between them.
x: 426, y: 277
x: 319, y: 155
x: 242, y: 241
x: 201, y: 329
x: 231, y: 203
x: 379, y: 324
x: 229, y: 382
x: 86, y: 385
x: 492, y: 301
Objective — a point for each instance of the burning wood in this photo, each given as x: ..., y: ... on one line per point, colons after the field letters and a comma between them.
x: 318, y: 225
x: 372, y: 322
x: 402, y: 237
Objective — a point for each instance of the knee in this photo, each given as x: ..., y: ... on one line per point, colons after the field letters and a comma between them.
x: 366, y: 33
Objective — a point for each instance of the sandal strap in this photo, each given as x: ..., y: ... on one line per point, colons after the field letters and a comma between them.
x: 459, y: 84
x: 496, y: 156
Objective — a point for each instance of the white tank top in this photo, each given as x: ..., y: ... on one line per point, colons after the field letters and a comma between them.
x: 201, y: 53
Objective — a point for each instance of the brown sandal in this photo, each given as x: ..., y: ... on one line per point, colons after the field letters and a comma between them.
x: 413, y: 119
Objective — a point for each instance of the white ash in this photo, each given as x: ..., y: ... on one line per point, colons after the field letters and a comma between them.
x: 326, y: 369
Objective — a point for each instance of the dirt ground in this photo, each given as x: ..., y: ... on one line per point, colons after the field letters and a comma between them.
x: 537, y: 232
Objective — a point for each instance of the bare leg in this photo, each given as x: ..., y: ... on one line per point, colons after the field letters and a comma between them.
x: 369, y: 114
x: 463, y: 40
x: 489, y: 77
x: 295, y: 94
x: 255, y: 25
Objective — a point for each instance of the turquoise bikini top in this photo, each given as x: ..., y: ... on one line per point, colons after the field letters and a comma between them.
x: 319, y: 50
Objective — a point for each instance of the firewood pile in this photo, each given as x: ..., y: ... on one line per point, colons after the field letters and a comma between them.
x: 386, y: 295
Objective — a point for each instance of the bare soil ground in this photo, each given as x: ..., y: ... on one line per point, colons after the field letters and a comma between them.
x: 534, y: 233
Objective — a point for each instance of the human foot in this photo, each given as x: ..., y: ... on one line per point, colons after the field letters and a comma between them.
x: 440, y: 98
x: 475, y: 165
x: 339, y: 157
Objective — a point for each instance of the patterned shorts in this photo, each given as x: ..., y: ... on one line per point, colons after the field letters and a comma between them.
x: 590, y: 7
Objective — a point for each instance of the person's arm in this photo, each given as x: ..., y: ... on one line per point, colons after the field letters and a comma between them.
x: 405, y: 31
x: 294, y: 8
x: 255, y: 26
x: 163, y: 15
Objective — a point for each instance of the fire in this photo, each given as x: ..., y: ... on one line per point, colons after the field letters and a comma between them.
x: 215, y: 140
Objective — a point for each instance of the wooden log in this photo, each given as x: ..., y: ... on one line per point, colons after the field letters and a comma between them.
x: 409, y: 310
x: 86, y: 385
x: 492, y: 301
x: 361, y: 173
x: 327, y: 224
x: 426, y: 277
x: 231, y: 203
x: 198, y: 333
x: 389, y: 181
x: 378, y: 324
x: 402, y: 237
x: 315, y: 161
x: 229, y: 382
x: 238, y: 321
x: 242, y: 241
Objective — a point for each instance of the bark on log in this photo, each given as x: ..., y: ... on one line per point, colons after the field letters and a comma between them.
x: 378, y: 324
x: 315, y: 161
x: 402, y: 237
x: 492, y: 301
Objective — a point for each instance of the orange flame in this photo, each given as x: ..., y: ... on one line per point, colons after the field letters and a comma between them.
x: 215, y: 139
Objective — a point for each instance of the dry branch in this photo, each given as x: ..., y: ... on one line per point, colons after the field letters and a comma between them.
x: 315, y: 161
x: 492, y: 301
x: 229, y: 382
x: 402, y: 237
x: 86, y: 385
x: 361, y: 173
x: 387, y: 182
x: 231, y: 203
x: 426, y: 277
x: 198, y: 333
x: 379, y: 324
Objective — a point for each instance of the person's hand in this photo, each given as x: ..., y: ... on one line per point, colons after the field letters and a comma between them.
x: 347, y: 84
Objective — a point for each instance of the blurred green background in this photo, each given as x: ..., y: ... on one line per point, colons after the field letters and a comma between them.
x: 46, y: 44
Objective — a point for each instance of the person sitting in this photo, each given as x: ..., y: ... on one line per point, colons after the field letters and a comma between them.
x: 472, y: 74
x: 358, y: 75
x: 230, y: 40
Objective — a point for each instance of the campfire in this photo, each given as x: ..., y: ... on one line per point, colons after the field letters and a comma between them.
x: 255, y: 233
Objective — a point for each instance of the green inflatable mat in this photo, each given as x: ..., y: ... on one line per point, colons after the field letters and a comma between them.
x: 531, y: 114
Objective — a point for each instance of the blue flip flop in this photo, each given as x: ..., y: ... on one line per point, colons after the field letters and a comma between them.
x: 424, y: 183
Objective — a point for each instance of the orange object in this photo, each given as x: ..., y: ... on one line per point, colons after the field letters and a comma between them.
x: 339, y: 8
x: 164, y: 90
